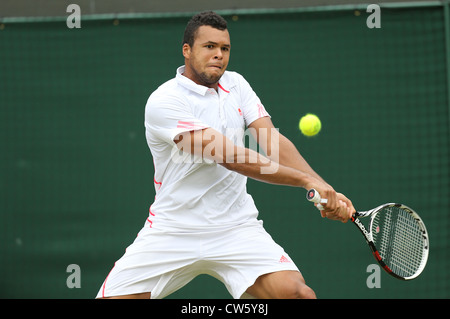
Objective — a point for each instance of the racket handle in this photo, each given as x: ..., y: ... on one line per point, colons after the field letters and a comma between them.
x: 313, y: 196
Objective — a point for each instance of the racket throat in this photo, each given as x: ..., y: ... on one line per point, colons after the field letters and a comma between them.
x: 363, y: 230
x: 377, y: 256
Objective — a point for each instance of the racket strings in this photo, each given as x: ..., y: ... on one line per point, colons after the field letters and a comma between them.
x: 399, y: 240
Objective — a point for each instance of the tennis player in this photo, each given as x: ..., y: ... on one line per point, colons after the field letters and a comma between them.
x: 203, y: 221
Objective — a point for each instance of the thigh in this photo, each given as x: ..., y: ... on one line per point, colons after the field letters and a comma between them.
x: 281, y: 285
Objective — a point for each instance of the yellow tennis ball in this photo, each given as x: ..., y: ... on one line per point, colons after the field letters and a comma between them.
x: 310, y: 124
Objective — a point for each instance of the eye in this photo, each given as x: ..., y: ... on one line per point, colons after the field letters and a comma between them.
x: 209, y: 46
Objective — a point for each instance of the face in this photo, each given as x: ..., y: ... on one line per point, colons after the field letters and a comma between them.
x: 208, y: 58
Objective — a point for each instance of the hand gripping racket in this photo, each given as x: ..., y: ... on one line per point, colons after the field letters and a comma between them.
x: 396, y: 235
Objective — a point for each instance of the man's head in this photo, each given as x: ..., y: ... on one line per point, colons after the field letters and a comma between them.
x: 206, y: 48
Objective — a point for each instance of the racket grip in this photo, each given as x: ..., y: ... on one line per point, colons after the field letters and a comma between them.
x: 313, y: 196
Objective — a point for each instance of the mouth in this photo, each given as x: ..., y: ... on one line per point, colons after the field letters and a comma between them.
x: 215, y: 66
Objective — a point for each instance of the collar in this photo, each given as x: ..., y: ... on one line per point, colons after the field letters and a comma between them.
x: 224, y: 83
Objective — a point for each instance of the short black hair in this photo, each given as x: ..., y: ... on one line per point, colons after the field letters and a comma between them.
x: 208, y: 18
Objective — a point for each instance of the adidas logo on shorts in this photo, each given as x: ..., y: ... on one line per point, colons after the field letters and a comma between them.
x: 283, y: 259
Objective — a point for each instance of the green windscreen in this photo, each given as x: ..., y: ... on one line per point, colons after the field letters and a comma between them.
x: 76, y: 177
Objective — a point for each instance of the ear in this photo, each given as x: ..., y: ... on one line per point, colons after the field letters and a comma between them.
x: 186, y: 51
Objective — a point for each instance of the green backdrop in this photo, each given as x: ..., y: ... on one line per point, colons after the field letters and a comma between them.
x: 76, y: 173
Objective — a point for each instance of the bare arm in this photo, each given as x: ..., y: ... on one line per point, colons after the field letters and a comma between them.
x: 211, y: 144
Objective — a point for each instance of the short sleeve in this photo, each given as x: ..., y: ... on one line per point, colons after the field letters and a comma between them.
x: 168, y: 116
x: 252, y: 107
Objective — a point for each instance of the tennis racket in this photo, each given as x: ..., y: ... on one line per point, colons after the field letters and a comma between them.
x: 396, y: 235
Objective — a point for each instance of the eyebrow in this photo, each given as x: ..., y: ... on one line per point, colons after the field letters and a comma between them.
x: 215, y: 43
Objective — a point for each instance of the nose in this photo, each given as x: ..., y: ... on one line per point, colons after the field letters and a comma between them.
x: 218, y: 55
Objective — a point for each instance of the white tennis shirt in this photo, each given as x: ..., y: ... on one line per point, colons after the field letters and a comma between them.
x: 192, y: 193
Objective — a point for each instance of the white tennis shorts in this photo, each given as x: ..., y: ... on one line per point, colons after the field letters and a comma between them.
x: 162, y: 262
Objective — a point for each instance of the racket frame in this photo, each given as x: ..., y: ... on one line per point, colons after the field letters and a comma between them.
x: 313, y: 196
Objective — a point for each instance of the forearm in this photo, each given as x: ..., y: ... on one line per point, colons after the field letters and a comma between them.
x: 212, y: 145
x: 254, y: 165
